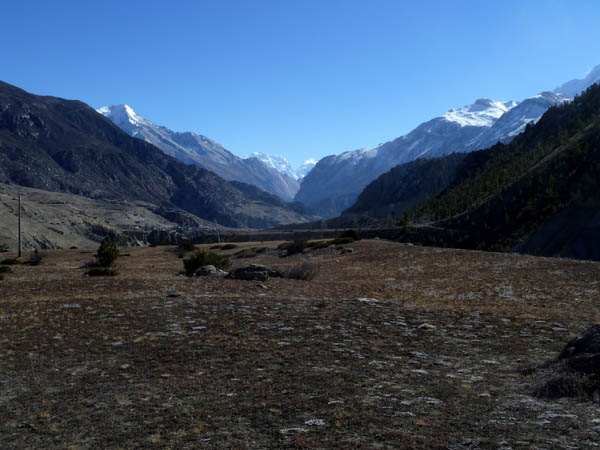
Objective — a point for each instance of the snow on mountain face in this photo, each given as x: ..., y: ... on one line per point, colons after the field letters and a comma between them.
x: 306, y: 167
x: 482, y: 113
x: 337, y: 180
x: 192, y: 148
x: 122, y: 115
x: 575, y: 87
x: 279, y: 163
x: 283, y: 166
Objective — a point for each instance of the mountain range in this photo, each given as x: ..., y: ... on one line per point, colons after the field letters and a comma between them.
x: 538, y: 194
x: 191, y: 148
x: 59, y: 145
x: 335, y: 183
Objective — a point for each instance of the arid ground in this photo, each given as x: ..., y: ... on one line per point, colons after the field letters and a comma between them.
x: 390, y: 346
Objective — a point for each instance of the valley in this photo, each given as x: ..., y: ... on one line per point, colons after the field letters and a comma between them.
x: 390, y: 346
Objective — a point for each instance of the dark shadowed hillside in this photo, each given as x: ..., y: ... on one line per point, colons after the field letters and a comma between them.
x: 539, y: 194
x: 61, y: 145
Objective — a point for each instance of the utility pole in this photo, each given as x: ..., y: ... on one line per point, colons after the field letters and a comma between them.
x: 20, y: 240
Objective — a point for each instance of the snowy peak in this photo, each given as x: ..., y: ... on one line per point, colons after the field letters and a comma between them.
x: 282, y: 165
x: 577, y: 86
x: 279, y: 163
x: 121, y: 115
x: 306, y: 167
x: 483, y: 113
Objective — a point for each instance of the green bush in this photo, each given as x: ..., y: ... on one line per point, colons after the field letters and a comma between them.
x: 202, y: 258
x: 5, y: 269
x: 3, y: 248
x: 101, y: 272
x: 107, y: 253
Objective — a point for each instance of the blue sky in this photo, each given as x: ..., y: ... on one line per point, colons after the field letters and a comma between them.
x: 299, y: 78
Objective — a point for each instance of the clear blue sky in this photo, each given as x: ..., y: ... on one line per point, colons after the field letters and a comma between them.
x: 300, y: 78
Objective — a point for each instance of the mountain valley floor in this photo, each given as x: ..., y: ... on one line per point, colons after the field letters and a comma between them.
x: 389, y: 346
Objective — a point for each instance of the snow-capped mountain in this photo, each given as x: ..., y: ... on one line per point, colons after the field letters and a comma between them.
x: 336, y: 181
x: 306, y: 167
x: 196, y: 149
x: 575, y: 87
x: 482, y: 113
x: 283, y: 166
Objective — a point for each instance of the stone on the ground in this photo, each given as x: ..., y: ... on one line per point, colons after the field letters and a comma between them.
x: 583, y: 352
x: 209, y: 270
x: 254, y: 272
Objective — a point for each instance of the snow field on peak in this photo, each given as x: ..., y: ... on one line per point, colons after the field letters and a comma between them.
x: 482, y: 113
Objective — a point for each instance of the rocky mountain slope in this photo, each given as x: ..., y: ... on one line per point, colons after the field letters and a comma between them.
x: 336, y: 181
x: 65, y: 146
x: 196, y: 149
x: 538, y: 194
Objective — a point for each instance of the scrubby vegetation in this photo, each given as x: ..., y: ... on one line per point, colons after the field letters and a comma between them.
x: 35, y: 259
x: 5, y: 269
x: 246, y: 253
x: 10, y: 262
x: 203, y: 258
x: 107, y: 253
x: 293, y: 247
x: 305, y: 271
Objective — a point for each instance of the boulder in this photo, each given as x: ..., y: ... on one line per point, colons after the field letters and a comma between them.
x: 583, y: 352
x: 254, y: 272
x: 209, y: 270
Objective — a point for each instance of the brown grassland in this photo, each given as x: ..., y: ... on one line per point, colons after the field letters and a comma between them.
x: 390, y: 346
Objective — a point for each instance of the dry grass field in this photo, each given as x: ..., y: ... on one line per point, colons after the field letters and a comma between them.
x: 390, y: 346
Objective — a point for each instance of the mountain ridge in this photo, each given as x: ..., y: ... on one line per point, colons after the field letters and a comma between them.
x: 337, y: 180
x: 62, y: 145
x: 192, y: 148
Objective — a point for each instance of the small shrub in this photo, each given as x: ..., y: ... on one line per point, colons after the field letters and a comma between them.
x: 101, y: 272
x: 5, y: 269
x: 305, y: 271
x: 107, y: 253
x: 246, y: 253
x: 187, y: 246
x: 315, y: 245
x: 10, y: 262
x: 3, y: 248
x: 35, y: 259
x: 293, y: 247
x: 342, y: 241
x: 229, y: 247
x: 202, y: 258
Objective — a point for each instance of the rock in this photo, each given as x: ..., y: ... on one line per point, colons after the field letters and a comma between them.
x: 254, y: 272
x: 583, y: 352
x: 589, y: 342
x: 209, y: 270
